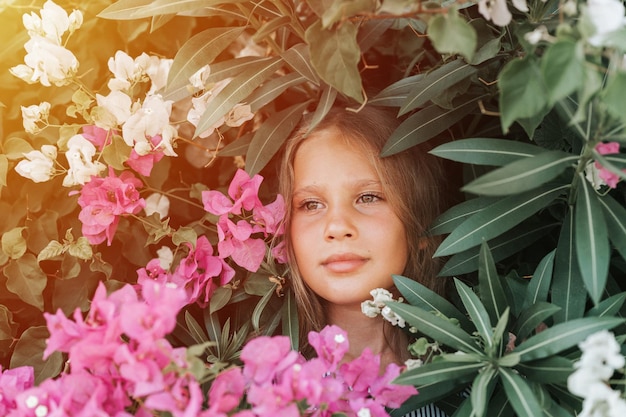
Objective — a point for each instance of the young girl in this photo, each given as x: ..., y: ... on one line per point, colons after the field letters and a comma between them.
x: 353, y: 220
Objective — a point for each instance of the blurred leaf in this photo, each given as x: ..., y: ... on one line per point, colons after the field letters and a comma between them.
x: 592, y: 242
x: 395, y: 94
x: 425, y: 124
x: 439, y: 371
x: 522, y: 91
x: 272, y: 89
x: 452, y: 34
x: 259, y: 308
x: 219, y: 298
x: 552, y: 370
x: 423, y: 297
x: 489, y: 285
x: 614, y: 93
x: 4, y: 168
x: 522, y: 175
x: 335, y: 55
x: 116, y: 153
x: 291, y: 326
x: 268, y: 28
x: 567, y: 289
x: 29, y: 352
x: 324, y: 105
x: 159, y: 21
x: 486, y: 151
x: 435, y: 82
x: 8, y: 331
x: 482, y: 388
x: 199, y: 51
x: 532, y: 317
x: 298, y: 58
x: 454, y: 216
x: 14, y: 148
x: 498, y: 217
x: 340, y: 9
x: 194, y: 328
x: 370, y: 32
x: 26, y: 279
x: 270, y: 136
x: 123, y: 9
x: 609, y: 307
x: 477, y: 312
x: 70, y: 294
x: 562, y: 336
x: 520, y: 394
x: 237, y: 91
x: 562, y: 67
x: 435, y: 327
x: 615, y: 217
x: 237, y: 147
x: 539, y: 285
x: 42, y: 230
x: 13, y: 243
x: 616, y: 163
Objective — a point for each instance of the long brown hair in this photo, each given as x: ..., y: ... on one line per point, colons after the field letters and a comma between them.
x: 411, y: 181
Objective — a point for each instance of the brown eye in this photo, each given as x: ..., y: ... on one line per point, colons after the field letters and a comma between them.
x: 368, y: 198
x: 311, y: 205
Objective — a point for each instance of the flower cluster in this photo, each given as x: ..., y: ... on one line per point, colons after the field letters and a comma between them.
x: 600, y: 359
x: 377, y: 306
x: 598, y: 175
x: 278, y: 381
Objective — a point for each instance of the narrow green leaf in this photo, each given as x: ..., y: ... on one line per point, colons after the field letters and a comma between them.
x: 370, y: 32
x: 335, y: 56
x: 237, y: 91
x: 435, y: 82
x: 615, y: 216
x: 214, y: 329
x: 194, y: 328
x: 498, y: 337
x: 532, y: 317
x: 237, y: 147
x: 272, y: 89
x: 567, y: 289
x: 395, y: 94
x: 498, y: 218
x: 592, y: 242
x: 482, y: 388
x: 476, y: 311
x: 270, y: 27
x: 271, y: 135
x: 439, y: 371
x: 520, y: 394
x: 609, y: 307
x: 539, y: 284
x: 298, y: 58
x: 425, y: 124
x: 290, y: 326
x: 452, y: 34
x: 199, y: 51
x: 435, y: 327
x: 123, y: 9
x: 260, y: 306
x: 563, y: 336
x: 522, y: 175
x: 159, y: 7
x: 423, y: 297
x: 486, y: 151
x: 499, y: 406
x: 489, y: 284
x: 220, y: 298
x: 339, y: 9
x: 552, y: 370
x: 326, y: 101
x: 453, y: 217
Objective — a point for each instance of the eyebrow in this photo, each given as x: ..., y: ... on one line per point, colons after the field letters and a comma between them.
x: 309, y: 189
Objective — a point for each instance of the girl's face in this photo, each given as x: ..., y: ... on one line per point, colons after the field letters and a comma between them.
x: 346, y: 238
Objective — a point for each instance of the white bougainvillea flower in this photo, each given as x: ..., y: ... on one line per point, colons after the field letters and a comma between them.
x: 539, y: 34
x: 150, y: 120
x: 605, y: 16
x: 199, y: 105
x: 47, y: 63
x: 33, y: 115
x: 377, y: 306
x: 520, y: 5
x: 198, y: 79
x: 157, y: 203
x: 118, y: 104
x: 157, y: 71
x: 38, y: 165
x: 165, y: 256
x: 496, y: 11
x: 126, y: 70
x: 238, y: 115
x: 53, y: 23
x: 79, y: 156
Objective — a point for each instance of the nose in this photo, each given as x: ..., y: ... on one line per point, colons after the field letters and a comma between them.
x: 339, y: 226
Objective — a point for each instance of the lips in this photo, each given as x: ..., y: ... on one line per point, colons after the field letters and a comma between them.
x: 343, y: 263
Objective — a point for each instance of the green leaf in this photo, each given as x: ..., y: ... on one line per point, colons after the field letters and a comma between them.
x: 268, y: 139
x: 371, y: 31
x: 592, y: 241
x: 116, y: 153
x: 520, y: 394
x: 14, y: 148
x: 272, y: 89
x: 532, y: 317
x: 298, y: 58
x: 552, y: 370
x: 13, y: 243
x: 270, y: 27
x: 423, y: 297
x: 237, y: 91
x: 213, y: 329
x: 452, y: 34
x: 8, y: 331
x: 29, y: 352
x: 26, y: 279
x: 613, y: 94
x: 290, y: 325
x: 123, y: 9
x: 454, y: 216
x: 486, y: 151
x: 435, y: 82
x: 80, y: 249
x: 563, y: 336
x: 260, y: 306
x: 439, y: 371
x: 562, y: 67
x: 489, y: 286
x: 499, y: 217
x: 335, y: 55
x: 326, y: 101
x: 4, y: 169
x: 615, y: 217
x: 340, y: 9
x: 237, y: 147
x: 477, y: 312
x: 199, y: 51
x: 482, y: 388
x: 568, y: 290
x: 194, y: 328
x: 395, y: 94
x: 609, y: 307
x: 425, y: 124
x: 435, y: 327
x: 522, y: 91
x: 539, y: 285
x: 522, y: 175
x: 184, y: 235
x: 219, y: 298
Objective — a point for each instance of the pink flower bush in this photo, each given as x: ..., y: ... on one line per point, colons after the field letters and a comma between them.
x: 610, y: 178
x: 104, y: 200
x: 12, y: 383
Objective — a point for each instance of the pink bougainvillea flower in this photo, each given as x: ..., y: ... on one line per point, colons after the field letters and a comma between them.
x: 243, y: 192
x: 609, y: 177
x: 98, y: 136
x: 265, y: 356
x: 270, y: 218
x: 226, y: 391
x: 143, y: 164
x: 12, y: 382
x: 331, y: 344
x: 235, y: 241
x: 104, y: 200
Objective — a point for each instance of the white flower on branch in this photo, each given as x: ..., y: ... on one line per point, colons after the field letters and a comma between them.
x: 605, y: 17
x: 79, y: 156
x: 38, y: 165
x: 33, y: 115
x: 150, y: 120
x: 47, y: 63
x: 126, y: 70
x: 157, y: 203
x: 53, y: 23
